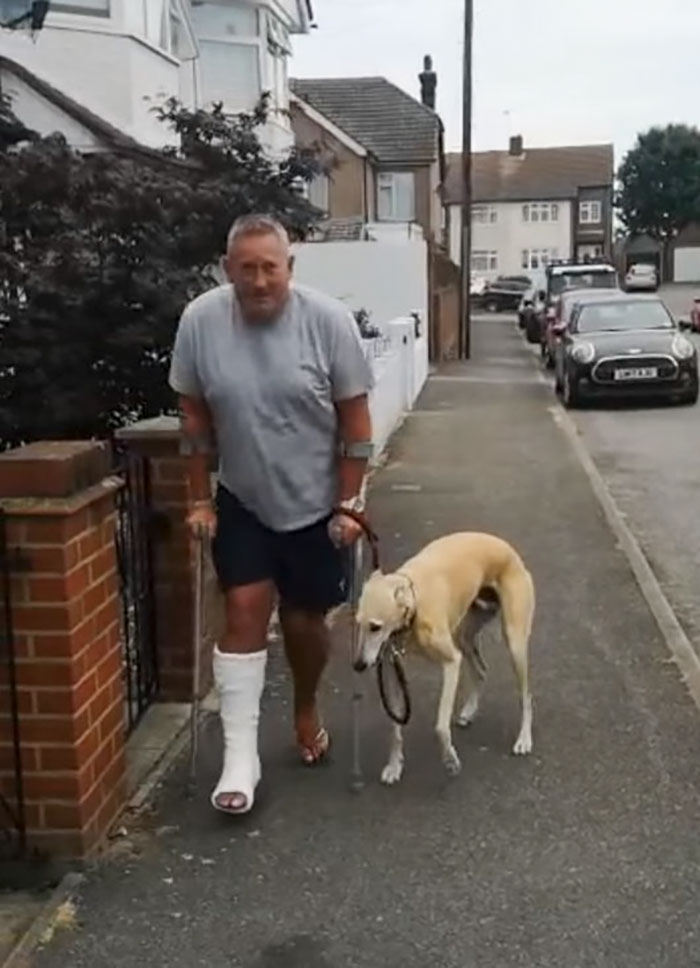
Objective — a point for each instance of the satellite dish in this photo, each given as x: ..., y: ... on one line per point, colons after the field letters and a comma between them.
x: 23, y: 14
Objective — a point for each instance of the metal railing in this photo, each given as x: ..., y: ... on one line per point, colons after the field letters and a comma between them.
x: 135, y: 565
x: 13, y: 832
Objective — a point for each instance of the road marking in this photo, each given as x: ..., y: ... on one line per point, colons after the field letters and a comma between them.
x: 677, y: 642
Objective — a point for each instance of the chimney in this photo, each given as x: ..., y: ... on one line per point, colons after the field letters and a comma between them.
x: 516, y: 146
x: 428, y: 83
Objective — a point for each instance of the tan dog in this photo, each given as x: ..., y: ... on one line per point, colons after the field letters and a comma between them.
x: 441, y: 596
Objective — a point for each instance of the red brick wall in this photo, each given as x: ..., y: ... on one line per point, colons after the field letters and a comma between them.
x: 66, y: 619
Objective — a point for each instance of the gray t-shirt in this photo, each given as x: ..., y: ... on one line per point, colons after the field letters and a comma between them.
x: 271, y: 389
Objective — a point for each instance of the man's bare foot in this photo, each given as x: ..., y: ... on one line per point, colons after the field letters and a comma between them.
x: 313, y: 740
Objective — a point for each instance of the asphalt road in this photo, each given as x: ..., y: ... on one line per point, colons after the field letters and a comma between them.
x: 586, y: 854
x: 650, y: 458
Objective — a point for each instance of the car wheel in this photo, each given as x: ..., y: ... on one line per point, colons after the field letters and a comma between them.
x: 691, y: 398
x: 570, y: 392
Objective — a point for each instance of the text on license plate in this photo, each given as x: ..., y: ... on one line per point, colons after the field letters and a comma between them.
x: 637, y: 373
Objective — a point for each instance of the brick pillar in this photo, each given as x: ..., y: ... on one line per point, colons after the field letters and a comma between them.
x: 158, y: 440
x: 58, y: 499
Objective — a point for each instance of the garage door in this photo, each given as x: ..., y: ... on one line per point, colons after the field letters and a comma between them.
x: 686, y: 265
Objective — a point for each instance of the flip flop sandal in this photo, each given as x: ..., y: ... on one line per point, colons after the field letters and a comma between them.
x: 313, y: 753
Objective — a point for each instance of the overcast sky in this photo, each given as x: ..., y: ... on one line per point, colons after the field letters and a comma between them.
x: 556, y: 71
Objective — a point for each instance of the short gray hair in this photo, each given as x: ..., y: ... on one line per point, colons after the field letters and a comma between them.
x: 256, y: 224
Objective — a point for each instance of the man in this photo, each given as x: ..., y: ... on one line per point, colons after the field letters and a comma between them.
x: 274, y: 376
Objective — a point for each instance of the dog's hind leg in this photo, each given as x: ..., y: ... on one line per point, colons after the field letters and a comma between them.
x: 470, y: 687
x: 393, y: 770
x: 518, y: 602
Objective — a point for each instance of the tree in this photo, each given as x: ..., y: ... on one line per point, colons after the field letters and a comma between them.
x: 660, y: 184
x: 99, y: 254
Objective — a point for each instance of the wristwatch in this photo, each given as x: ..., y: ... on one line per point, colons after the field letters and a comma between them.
x: 356, y: 504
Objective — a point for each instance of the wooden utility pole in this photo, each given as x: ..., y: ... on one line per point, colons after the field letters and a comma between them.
x: 466, y: 247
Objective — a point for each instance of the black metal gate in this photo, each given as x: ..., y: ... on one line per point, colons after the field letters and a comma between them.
x: 135, y: 563
x: 12, y: 819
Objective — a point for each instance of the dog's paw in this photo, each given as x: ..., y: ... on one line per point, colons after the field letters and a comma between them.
x: 392, y: 772
x: 452, y: 762
x: 468, y: 712
x: 523, y: 745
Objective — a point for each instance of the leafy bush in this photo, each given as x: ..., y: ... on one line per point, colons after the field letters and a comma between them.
x: 99, y: 254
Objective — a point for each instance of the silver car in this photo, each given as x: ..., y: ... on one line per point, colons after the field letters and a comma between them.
x: 642, y: 277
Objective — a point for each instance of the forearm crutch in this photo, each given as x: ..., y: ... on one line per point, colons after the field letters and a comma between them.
x: 196, y: 657
x: 356, y: 779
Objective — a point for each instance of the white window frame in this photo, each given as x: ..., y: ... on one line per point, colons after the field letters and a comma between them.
x: 484, y: 260
x: 76, y: 8
x: 387, y: 179
x: 258, y: 41
x: 535, y: 212
x: 484, y: 214
x: 538, y: 258
x: 590, y: 212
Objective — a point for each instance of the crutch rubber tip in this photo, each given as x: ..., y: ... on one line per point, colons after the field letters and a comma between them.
x: 357, y: 784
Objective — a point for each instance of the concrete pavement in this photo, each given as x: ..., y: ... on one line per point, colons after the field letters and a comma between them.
x: 585, y: 854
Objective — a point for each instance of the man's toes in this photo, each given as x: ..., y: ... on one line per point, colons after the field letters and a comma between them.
x: 232, y: 801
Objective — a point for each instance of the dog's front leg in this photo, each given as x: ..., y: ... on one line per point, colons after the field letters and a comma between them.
x: 393, y: 770
x: 450, y: 683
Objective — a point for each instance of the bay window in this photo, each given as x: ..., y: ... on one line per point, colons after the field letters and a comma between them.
x: 230, y: 62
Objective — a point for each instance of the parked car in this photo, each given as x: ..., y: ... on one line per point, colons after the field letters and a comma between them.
x: 622, y: 345
x: 504, y: 294
x: 579, y: 275
x: 559, y: 318
x: 642, y: 277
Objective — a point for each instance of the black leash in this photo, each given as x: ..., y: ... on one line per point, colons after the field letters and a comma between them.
x: 389, y: 651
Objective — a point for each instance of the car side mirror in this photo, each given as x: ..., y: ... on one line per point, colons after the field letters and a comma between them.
x: 559, y: 329
x: 684, y: 324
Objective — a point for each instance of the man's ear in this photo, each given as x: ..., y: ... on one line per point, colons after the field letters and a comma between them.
x: 292, y: 260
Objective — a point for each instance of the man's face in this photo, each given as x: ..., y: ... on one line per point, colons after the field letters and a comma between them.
x: 259, y: 266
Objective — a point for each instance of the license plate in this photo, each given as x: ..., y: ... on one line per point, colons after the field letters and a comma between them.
x: 637, y: 373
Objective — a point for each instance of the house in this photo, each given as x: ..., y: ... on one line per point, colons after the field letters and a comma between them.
x: 385, y: 152
x: 533, y: 205
x: 98, y: 67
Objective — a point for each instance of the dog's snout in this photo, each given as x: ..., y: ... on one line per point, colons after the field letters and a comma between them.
x: 360, y: 665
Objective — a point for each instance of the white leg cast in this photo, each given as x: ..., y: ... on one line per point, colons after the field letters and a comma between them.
x: 394, y: 768
x: 450, y: 682
x: 240, y: 680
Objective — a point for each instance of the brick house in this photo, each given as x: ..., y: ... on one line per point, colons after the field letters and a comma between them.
x: 386, y: 153
x: 531, y: 205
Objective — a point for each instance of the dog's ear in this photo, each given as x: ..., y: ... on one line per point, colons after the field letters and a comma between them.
x: 401, y: 597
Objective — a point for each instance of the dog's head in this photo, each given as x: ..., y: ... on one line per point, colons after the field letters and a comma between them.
x: 385, y: 607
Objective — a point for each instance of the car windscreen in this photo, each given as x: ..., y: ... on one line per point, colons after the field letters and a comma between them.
x: 616, y: 317
x: 582, y: 280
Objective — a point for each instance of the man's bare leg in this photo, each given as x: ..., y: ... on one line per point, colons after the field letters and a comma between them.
x: 239, y: 670
x: 307, y: 646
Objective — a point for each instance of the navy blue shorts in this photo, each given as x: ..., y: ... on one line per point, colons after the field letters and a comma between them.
x: 307, y: 569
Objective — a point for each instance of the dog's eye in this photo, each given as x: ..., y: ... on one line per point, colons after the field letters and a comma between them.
x: 375, y: 626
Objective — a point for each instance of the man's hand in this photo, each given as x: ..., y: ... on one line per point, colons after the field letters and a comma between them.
x: 343, y: 530
x: 202, y: 520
